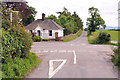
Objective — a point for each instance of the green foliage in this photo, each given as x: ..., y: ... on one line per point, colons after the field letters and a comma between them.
x: 70, y: 23
x: 78, y: 21
x: 16, y: 42
x: 45, y: 39
x: 37, y: 39
x: 31, y: 17
x: 72, y: 36
x: 95, y: 21
x: 52, y: 17
x: 26, y: 12
x: 116, y: 57
x: 20, y: 67
x: 102, y: 38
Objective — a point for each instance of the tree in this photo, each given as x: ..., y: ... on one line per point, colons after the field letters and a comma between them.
x: 27, y: 13
x: 78, y: 21
x: 94, y: 21
x: 31, y: 17
x: 52, y: 17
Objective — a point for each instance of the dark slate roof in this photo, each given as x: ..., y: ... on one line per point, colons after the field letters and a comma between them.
x: 47, y: 24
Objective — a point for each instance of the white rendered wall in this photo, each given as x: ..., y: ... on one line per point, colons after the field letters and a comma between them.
x: 45, y: 33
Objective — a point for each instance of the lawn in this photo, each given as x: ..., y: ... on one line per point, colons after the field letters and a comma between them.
x: 72, y: 36
x: 114, y: 36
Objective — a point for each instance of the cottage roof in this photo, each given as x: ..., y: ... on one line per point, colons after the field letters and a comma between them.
x: 46, y: 24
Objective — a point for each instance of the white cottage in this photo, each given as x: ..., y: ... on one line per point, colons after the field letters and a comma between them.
x: 46, y: 28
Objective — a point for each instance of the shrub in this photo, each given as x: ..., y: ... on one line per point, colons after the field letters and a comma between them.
x: 37, y: 39
x: 20, y: 67
x: 45, y: 39
x: 102, y: 38
x: 16, y: 42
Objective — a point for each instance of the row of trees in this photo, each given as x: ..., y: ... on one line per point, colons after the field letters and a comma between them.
x: 70, y: 22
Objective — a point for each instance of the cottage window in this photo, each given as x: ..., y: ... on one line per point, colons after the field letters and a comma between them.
x: 50, y: 32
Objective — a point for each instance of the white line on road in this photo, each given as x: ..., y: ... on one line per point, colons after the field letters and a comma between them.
x: 45, y: 51
x: 53, y: 72
x: 53, y: 51
x: 74, y: 56
x: 62, y: 51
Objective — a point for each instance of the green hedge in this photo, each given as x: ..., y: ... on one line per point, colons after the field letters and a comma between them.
x: 37, y: 39
x: 45, y: 39
x: 20, y: 67
x: 16, y: 42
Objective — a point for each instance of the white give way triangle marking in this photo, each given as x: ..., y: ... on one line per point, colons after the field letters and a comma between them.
x: 51, y: 72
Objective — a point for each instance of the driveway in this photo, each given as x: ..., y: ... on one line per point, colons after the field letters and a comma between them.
x: 75, y: 59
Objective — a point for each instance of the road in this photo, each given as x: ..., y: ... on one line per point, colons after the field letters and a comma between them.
x: 75, y: 59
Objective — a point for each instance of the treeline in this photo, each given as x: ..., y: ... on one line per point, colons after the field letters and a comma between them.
x: 70, y: 22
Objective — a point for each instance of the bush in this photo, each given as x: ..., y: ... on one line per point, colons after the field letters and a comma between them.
x: 20, y: 67
x: 45, y: 39
x: 37, y: 39
x: 102, y: 38
x: 16, y: 42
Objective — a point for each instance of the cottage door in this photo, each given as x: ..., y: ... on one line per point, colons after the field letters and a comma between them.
x: 56, y: 35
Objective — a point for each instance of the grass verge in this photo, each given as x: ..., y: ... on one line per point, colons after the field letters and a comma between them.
x: 20, y: 67
x: 114, y: 37
x: 116, y: 57
x: 72, y: 36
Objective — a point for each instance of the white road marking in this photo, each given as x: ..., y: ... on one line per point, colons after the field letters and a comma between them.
x: 69, y: 51
x: 74, y: 56
x: 53, y: 51
x: 45, y: 51
x: 51, y: 72
x: 71, y: 44
x: 62, y: 51
x: 83, y: 44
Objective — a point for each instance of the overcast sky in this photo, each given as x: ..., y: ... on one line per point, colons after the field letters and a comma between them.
x: 108, y: 8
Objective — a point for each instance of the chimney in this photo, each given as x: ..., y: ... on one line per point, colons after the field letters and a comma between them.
x: 43, y: 16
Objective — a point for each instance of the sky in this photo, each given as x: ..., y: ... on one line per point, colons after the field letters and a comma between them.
x: 108, y: 9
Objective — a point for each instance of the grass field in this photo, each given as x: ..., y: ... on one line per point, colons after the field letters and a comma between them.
x: 114, y: 34
x: 72, y: 36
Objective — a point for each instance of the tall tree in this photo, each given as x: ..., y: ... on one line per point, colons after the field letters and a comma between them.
x: 94, y: 21
x: 52, y: 17
x: 78, y: 20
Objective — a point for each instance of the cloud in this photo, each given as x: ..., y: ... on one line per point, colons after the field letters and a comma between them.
x: 108, y: 9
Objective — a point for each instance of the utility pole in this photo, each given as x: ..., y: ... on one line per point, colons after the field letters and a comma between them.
x: 11, y: 15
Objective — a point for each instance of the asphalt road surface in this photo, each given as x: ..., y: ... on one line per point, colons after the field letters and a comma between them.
x: 75, y: 59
